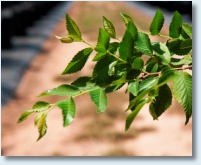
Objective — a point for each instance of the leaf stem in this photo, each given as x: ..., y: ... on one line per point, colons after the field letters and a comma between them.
x: 116, y: 57
x: 144, y: 32
x: 83, y: 92
x: 107, y: 51
x: 88, y: 44
x: 118, y: 39
x: 161, y: 35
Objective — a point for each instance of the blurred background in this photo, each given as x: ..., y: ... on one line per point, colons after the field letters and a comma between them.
x: 32, y: 61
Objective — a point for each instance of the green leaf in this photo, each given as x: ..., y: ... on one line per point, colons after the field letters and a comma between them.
x: 133, y: 87
x: 187, y: 29
x: 101, y: 69
x: 99, y: 56
x: 162, y: 52
x: 167, y: 75
x: 131, y: 97
x: 157, y: 23
x: 152, y: 112
x: 113, y: 88
x: 83, y: 83
x: 119, y: 81
x: 175, y: 47
x: 41, y: 106
x: 127, y: 44
x: 137, y: 53
x: 38, y: 107
x: 40, y: 122
x: 143, y: 44
x: 113, y: 47
x: 162, y: 101
x: 78, y: 61
x: 111, y: 68
x: 126, y: 18
x: 132, y: 29
x: 73, y: 29
x: 184, y: 61
x: 62, y: 90
x: 133, y: 114
x: 99, y: 97
x: 145, y: 87
x: 138, y: 63
x: 182, y: 91
x: 147, y: 83
x: 152, y: 67
x: 68, y: 110
x: 64, y: 39
x: 175, y: 25
x: 187, y: 43
x: 109, y: 27
x: 103, y: 41
x: 24, y: 115
x: 132, y: 74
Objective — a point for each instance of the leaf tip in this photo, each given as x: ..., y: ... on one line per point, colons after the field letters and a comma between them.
x: 19, y: 121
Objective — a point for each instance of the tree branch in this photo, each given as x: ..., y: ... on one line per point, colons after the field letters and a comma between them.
x: 145, y: 75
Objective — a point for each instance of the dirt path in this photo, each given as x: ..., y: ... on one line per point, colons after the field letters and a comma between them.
x: 90, y: 134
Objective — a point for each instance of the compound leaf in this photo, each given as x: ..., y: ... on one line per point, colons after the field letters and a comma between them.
x: 143, y: 44
x: 62, y: 90
x: 99, y: 97
x: 78, y: 61
x: 68, y: 110
x: 73, y: 29
x: 175, y: 25
x: 182, y: 91
x: 157, y: 23
x: 109, y: 27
